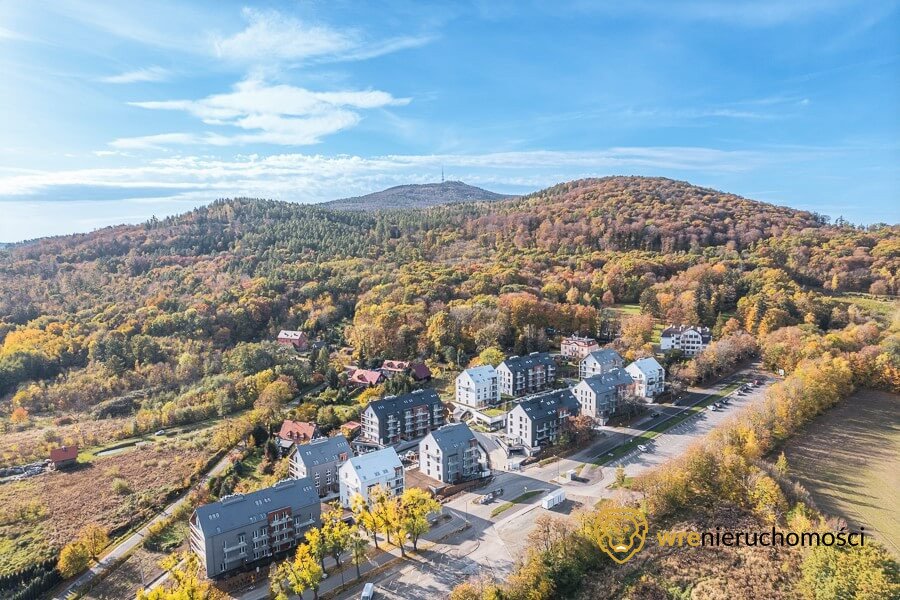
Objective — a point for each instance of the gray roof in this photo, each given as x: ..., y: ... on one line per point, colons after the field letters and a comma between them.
x: 323, y: 450
x: 239, y: 510
x: 393, y: 404
x: 605, y: 355
x: 521, y: 363
x: 450, y: 437
x: 705, y: 334
x: 546, y: 405
x: 603, y: 383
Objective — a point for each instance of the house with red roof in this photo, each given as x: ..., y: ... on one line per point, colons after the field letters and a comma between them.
x: 63, y: 457
x: 296, y: 339
x: 296, y: 432
x: 365, y: 378
x: 417, y: 370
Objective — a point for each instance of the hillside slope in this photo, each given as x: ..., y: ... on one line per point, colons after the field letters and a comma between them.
x: 416, y: 196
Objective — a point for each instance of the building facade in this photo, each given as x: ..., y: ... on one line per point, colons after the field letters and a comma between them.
x: 362, y: 473
x: 599, y: 395
x: 295, y: 339
x: 690, y: 340
x: 598, y: 362
x: 519, y: 375
x: 478, y: 387
x: 451, y: 454
x: 539, y: 420
x: 320, y: 461
x: 649, y: 377
x: 395, y: 419
x: 245, y: 528
x: 576, y: 348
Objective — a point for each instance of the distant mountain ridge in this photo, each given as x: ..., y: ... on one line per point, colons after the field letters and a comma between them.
x: 416, y: 196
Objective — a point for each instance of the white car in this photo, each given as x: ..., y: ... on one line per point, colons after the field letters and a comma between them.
x: 368, y: 592
x: 642, y: 448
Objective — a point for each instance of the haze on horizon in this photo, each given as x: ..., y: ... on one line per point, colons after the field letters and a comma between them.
x: 115, y: 112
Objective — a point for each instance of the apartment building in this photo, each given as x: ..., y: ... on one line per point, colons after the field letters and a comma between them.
x: 599, y: 395
x: 320, y: 461
x: 649, y: 377
x: 689, y: 339
x: 451, y: 454
x: 407, y: 417
x: 576, y: 348
x: 598, y: 362
x: 245, y: 528
x: 362, y: 473
x: 539, y: 420
x: 478, y: 387
x: 519, y: 375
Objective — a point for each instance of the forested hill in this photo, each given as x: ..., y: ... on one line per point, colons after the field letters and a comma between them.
x: 416, y: 196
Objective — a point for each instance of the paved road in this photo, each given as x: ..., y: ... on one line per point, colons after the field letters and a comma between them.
x: 492, y: 544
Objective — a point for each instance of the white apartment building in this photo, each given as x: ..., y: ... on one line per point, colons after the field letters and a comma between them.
x: 478, y: 387
x: 599, y: 362
x: 649, y: 377
x: 689, y: 339
x: 361, y: 473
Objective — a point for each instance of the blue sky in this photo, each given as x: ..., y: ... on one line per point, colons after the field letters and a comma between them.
x: 114, y: 112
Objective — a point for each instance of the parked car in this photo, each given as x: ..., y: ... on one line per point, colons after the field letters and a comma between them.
x: 714, y: 408
x: 642, y: 448
x: 160, y: 432
x: 368, y: 592
x: 654, y: 414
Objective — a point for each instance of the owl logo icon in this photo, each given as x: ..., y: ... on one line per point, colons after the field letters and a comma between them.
x: 623, y: 532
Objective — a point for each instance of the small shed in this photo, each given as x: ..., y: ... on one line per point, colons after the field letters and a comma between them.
x: 63, y: 457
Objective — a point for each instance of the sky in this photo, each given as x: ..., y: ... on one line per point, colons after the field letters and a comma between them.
x: 113, y: 112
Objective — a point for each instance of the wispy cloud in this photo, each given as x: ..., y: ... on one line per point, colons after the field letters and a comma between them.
x: 276, y: 114
x: 148, y: 74
x: 271, y: 36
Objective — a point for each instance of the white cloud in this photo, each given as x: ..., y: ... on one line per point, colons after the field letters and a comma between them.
x: 148, y: 74
x: 278, y: 114
x: 271, y: 36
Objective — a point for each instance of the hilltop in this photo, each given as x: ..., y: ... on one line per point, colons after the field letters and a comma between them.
x: 416, y: 196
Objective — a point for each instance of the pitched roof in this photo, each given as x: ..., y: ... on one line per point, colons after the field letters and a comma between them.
x: 450, y: 437
x: 64, y: 453
x: 420, y: 370
x: 240, y: 510
x: 391, y: 404
x: 673, y: 330
x: 297, y: 430
x: 374, y: 464
x: 601, y: 384
x: 288, y: 334
x: 481, y: 374
x: 647, y: 365
x: 365, y: 376
x: 604, y: 355
x: 580, y: 341
x: 323, y: 450
x: 395, y: 365
x: 351, y: 425
x: 547, y: 405
x: 521, y: 363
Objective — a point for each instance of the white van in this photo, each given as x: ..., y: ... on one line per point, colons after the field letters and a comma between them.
x: 368, y: 592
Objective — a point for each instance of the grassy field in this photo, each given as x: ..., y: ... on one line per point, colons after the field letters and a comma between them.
x: 849, y: 460
x: 881, y: 308
x: 517, y: 500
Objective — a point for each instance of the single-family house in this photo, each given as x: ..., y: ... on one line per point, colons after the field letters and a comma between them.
x: 365, y: 378
x: 576, y: 348
x: 419, y: 371
x: 295, y: 339
x: 294, y: 433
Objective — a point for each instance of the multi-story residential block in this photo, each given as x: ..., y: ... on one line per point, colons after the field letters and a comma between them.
x: 598, y: 362
x: 478, y: 387
x: 295, y: 339
x: 649, y: 377
x: 520, y: 375
x: 320, y: 461
x: 539, y: 420
x: 245, y: 528
x: 451, y: 454
x: 689, y: 339
x: 577, y: 348
x: 362, y: 473
x: 406, y: 417
x: 599, y: 395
